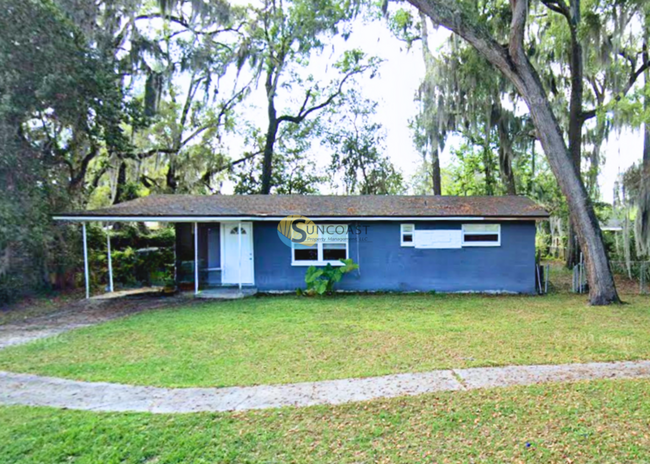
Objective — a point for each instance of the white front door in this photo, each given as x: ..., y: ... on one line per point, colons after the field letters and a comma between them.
x: 237, y: 254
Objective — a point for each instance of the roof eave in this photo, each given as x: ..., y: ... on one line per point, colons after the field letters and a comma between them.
x: 216, y: 218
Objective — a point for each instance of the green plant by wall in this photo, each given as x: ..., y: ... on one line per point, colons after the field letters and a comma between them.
x: 320, y: 281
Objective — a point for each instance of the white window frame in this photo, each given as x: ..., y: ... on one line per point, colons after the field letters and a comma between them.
x: 403, y: 232
x: 319, y: 246
x: 485, y: 232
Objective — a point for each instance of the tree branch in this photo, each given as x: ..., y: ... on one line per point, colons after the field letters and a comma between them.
x: 191, y: 92
x: 518, y: 29
x: 241, y: 160
x: 452, y: 17
x: 212, y: 171
x: 98, y: 175
x: 559, y: 6
x: 148, y: 181
x: 198, y: 131
x: 222, y: 112
x: 83, y: 168
x: 155, y: 151
x: 187, y: 27
x: 634, y: 75
x: 303, y: 113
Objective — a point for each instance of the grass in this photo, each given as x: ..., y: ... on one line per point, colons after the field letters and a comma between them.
x: 291, y: 339
x: 605, y: 421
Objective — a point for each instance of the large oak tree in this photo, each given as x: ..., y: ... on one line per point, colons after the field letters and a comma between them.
x: 511, y: 60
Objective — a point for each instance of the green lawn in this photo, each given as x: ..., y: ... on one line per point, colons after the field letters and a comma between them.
x: 606, y: 421
x: 291, y: 339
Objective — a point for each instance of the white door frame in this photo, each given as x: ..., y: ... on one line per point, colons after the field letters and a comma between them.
x: 224, y: 225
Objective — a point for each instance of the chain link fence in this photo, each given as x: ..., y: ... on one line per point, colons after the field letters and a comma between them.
x: 636, y: 273
x: 579, y: 281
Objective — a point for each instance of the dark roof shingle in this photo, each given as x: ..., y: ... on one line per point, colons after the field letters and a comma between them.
x: 320, y: 206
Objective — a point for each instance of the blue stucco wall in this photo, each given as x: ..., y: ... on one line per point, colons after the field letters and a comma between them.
x: 387, y: 266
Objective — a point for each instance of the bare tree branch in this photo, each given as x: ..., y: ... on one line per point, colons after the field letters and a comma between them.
x: 228, y: 166
x: 182, y: 22
x: 79, y: 177
x: 155, y: 151
x: 451, y: 16
x: 634, y: 76
x: 559, y: 6
x: 225, y: 107
x: 303, y: 113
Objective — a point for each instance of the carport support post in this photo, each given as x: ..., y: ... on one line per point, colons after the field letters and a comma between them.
x: 110, y: 260
x: 86, y: 270
x: 196, y: 258
x: 239, y: 228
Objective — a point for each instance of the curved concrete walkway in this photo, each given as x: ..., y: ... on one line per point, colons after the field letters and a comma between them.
x: 36, y: 390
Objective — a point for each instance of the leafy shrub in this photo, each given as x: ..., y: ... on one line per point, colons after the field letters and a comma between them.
x: 320, y: 281
x: 140, y: 257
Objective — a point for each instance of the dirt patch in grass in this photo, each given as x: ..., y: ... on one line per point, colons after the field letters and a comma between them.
x: 37, y: 306
x: 42, y: 317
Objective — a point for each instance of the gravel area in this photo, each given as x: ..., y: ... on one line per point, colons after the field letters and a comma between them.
x: 83, y: 313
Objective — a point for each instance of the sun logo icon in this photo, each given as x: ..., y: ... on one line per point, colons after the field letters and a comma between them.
x: 298, y: 230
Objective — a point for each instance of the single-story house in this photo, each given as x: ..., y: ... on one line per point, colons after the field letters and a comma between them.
x: 401, y: 243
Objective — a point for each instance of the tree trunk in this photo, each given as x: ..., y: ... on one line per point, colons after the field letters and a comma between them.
x: 505, y: 167
x: 594, y: 159
x: 487, y: 160
x: 514, y: 64
x: 436, y: 180
x: 120, y: 183
x: 434, y: 144
x: 170, y: 178
x: 489, y: 181
x: 533, y: 155
x: 271, y: 133
x: 602, y: 289
x: 643, y: 219
x: 267, y: 163
x: 576, y: 120
x: 643, y: 216
x: 506, y: 154
x: 532, y: 160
